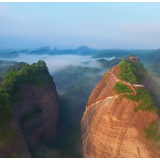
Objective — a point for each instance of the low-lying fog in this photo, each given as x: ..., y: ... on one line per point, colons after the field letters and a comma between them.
x: 57, y: 62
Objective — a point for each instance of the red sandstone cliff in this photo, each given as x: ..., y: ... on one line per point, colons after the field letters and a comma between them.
x: 110, y: 128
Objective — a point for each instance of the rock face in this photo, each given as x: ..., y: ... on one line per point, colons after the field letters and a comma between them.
x: 34, y: 116
x: 109, y: 126
x: 18, y: 148
x: 36, y: 113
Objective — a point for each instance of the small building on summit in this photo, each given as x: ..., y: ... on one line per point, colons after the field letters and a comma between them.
x: 133, y: 58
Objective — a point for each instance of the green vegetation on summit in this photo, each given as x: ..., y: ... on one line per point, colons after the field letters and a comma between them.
x: 121, y: 88
x: 36, y: 74
x: 135, y: 73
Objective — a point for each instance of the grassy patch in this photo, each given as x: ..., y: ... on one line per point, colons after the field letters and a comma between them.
x: 152, y: 132
x: 134, y: 72
x: 127, y: 72
x: 121, y: 88
x: 146, y: 101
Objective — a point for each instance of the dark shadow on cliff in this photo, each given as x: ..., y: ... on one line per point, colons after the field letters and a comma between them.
x: 78, y: 83
x: 68, y: 142
x: 72, y: 105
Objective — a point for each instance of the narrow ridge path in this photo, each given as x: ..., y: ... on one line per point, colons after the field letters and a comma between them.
x: 131, y: 86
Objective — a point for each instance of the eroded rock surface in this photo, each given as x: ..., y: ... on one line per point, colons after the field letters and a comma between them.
x: 110, y: 128
x: 43, y: 123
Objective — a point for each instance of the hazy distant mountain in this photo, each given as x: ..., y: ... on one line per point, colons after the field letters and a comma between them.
x: 119, y: 53
x: 151, y: 57
x: 64, y: 51
x: 42, y: 50
x: 10, y: 54
x: 68, y: 51
x: 109, y: 63
x: 23, y: 51
x: 83, y: 49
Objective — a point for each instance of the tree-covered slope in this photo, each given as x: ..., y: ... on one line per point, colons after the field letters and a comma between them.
x: 36, y: 74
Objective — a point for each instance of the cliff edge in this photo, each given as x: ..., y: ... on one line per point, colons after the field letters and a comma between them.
x: 117, y: 118
x: 28, y: 110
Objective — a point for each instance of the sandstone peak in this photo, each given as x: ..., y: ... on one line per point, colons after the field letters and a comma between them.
x: 113, y: 123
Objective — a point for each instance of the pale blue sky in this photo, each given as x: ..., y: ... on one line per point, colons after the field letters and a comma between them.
x: 70, y: 25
